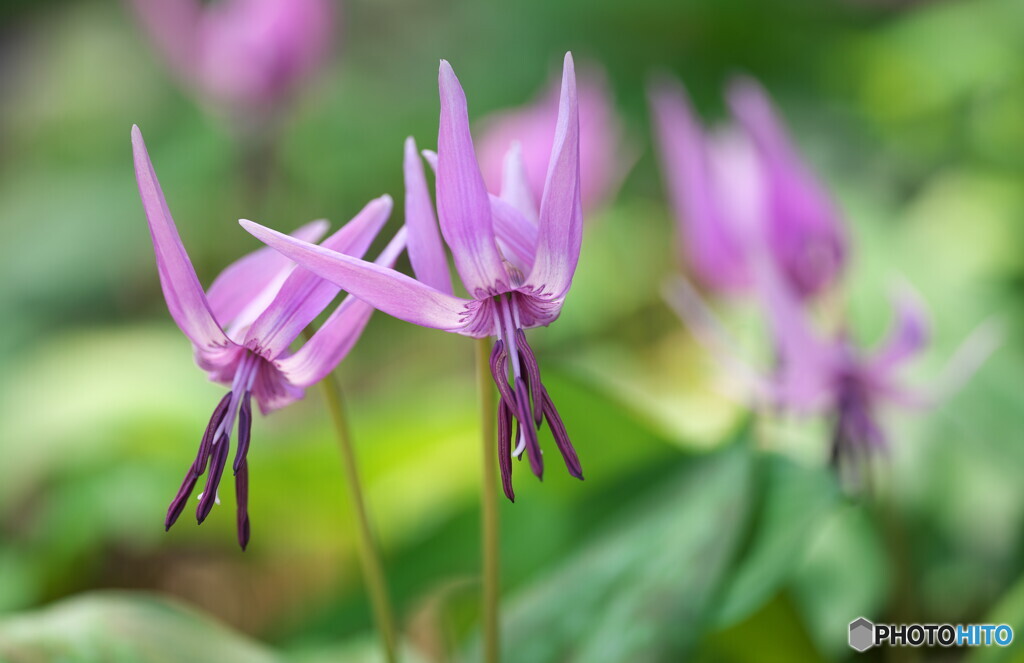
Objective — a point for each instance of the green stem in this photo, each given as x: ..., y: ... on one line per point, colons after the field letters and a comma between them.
x: 369, y: 555
x: 488, y: 505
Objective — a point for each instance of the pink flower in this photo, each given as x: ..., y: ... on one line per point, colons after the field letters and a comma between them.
x: 517, y: 271
x: 742, y: 184
x: 241, y: 54
x: 242, y: 328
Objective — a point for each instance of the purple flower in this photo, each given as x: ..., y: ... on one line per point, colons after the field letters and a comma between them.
x: 241, y: 54
x: 517, y: 272
x: 820, y: 374
x: 530, y: 127
x: 242, y: 328
x: 742, y: 182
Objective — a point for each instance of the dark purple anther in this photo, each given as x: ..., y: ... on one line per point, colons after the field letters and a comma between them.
x: 529, y: 362
x: 572, y: 462
x: 527, y: 430
x: 199, y: 466
x: 219, y: 458
x: 856, y: 432
x: 242, y: 500
x: 505, y: 448
x: 244, y: 431
x: 178, y: 503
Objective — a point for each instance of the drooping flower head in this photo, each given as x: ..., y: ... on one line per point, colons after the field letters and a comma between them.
x: 822, y: 374
x: 743, y: 181
x: 244, y: 55
x: 603, y: 154
x: 242, y: 328
x: 517, y: 272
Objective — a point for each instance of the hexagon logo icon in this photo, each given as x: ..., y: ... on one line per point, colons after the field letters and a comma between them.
x: 862, y: 634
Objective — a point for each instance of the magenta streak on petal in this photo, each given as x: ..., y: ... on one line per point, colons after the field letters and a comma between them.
x: 385, y: 289
x: 462, y: 203
x: 304, y: 295
x: 185, y: 298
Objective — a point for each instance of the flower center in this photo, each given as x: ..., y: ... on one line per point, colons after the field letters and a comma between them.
x: 523, y: 397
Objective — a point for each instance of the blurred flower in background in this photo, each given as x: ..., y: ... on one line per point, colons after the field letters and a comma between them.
x: 727, y: 185
x: 245, y: 57
x: 604, y: 155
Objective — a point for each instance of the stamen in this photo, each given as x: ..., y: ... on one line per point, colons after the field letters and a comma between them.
x: 219, y: 457
x: 179, y: 501
x: 244, y: 431
x: 504, y: 447
x: 526, y: 430
x: 572, y: 461
x: 529, y: 360
x: 199, y: 466
x: 499, y: 371
x: 242, y: 501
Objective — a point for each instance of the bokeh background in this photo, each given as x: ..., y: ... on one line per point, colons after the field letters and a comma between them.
x: 699, y: 533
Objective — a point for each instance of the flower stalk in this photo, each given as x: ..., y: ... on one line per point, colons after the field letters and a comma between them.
x: 369, y: 554
x: 489, y: 531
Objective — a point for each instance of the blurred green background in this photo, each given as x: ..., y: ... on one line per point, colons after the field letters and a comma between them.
x: 698, y: 534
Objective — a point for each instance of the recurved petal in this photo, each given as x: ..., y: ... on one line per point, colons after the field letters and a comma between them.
x: 185, y: 298
x: 249, y: 276
x: 515, y: 183
x: 304, y: 294
x: 426, y: 251
x: 337, y: 336
x: 462, y: 202
x: 561, y: 213
x: 385, y: 289
x: 908, y: 334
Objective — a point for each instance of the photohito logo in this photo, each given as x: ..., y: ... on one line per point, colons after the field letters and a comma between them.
x: 864, y: 635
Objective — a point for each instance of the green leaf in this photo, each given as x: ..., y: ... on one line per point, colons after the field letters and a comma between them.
x: 845, y: 574
x: 122, y: 627
x: 655, y: 571
x: 1009, y: 610
x: 793, y: 502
